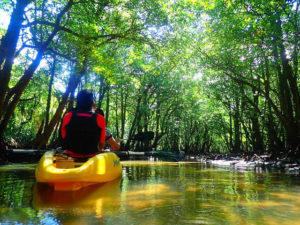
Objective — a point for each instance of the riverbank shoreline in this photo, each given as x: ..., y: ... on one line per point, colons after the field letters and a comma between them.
x: 265, y: 162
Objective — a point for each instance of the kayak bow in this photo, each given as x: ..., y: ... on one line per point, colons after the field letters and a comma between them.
x: 65, y: 174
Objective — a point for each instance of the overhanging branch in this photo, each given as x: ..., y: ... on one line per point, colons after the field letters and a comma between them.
x: 86, y: 37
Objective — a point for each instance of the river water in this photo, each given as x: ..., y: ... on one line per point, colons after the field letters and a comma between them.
x: 151, y: 193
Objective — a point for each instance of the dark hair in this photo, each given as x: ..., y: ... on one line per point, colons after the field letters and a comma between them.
x: 100, y: 111
x: 84, y: 100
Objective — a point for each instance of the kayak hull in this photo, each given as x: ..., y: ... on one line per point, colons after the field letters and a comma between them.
x: 65, y: 174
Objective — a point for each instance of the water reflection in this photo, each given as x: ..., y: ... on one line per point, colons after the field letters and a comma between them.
x: 150, y: 195
x: 92, y: 199
x: 155, y: 193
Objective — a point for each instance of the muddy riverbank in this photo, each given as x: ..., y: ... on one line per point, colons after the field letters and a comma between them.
x: 256, y: 162
x: 241, y: 162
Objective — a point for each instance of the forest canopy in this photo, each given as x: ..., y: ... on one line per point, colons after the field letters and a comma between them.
x: 207, y: 76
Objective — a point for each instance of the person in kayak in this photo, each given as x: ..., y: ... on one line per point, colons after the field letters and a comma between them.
x: 83, y: 130
x: 113, y: 142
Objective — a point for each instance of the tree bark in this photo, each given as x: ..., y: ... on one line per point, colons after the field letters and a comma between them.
x: 8, y: 48
x: 41, y: 141
x: 230, y: 131
x: 116, y: 114
x: 134, y: 122
x: 273, y: 141
x: 50, y: 90
x: 18, y: 89
x: 123, y: 111
x: 287, y: 88
x: 258, y: 144
x: 101, y: 92
x: 107, y: 104
x: 236, y: 122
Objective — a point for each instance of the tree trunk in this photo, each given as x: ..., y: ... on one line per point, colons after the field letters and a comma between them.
x: 41, y: 141
x: 18, y: 89
x: 273, y: 140
x: 236, y: 122
x: 71, y: 101
x: 258, y: 143
x: 287, y: 88
x: 116, y: 114
x: 230, y: 131
x: 72, y: 96
x: 50, y: 91
x: 101, y: 92
x: 55, y: 140
x: 123, y: 111
x: 157, y: 135
x: 8, y: 48
x: 134, y: 122
x: 107, y: 104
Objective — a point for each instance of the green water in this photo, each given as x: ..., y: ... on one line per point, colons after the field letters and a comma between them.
x: 154, y: 193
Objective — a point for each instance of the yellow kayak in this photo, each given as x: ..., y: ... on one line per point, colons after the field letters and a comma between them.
x: 65, y: 174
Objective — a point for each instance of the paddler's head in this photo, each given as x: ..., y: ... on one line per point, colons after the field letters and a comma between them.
x: 85, y: 100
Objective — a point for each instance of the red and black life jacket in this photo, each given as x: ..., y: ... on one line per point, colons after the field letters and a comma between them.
x: 83, y: 133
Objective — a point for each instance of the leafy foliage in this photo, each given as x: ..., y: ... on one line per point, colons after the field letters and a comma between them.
x: 204, y: 76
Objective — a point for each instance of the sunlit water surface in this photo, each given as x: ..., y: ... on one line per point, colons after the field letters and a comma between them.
x: 154, y: 193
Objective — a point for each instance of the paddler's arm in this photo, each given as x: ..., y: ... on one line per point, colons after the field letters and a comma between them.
x: 101, y: 147
x: 101, y: 123
x: 113, y: 143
